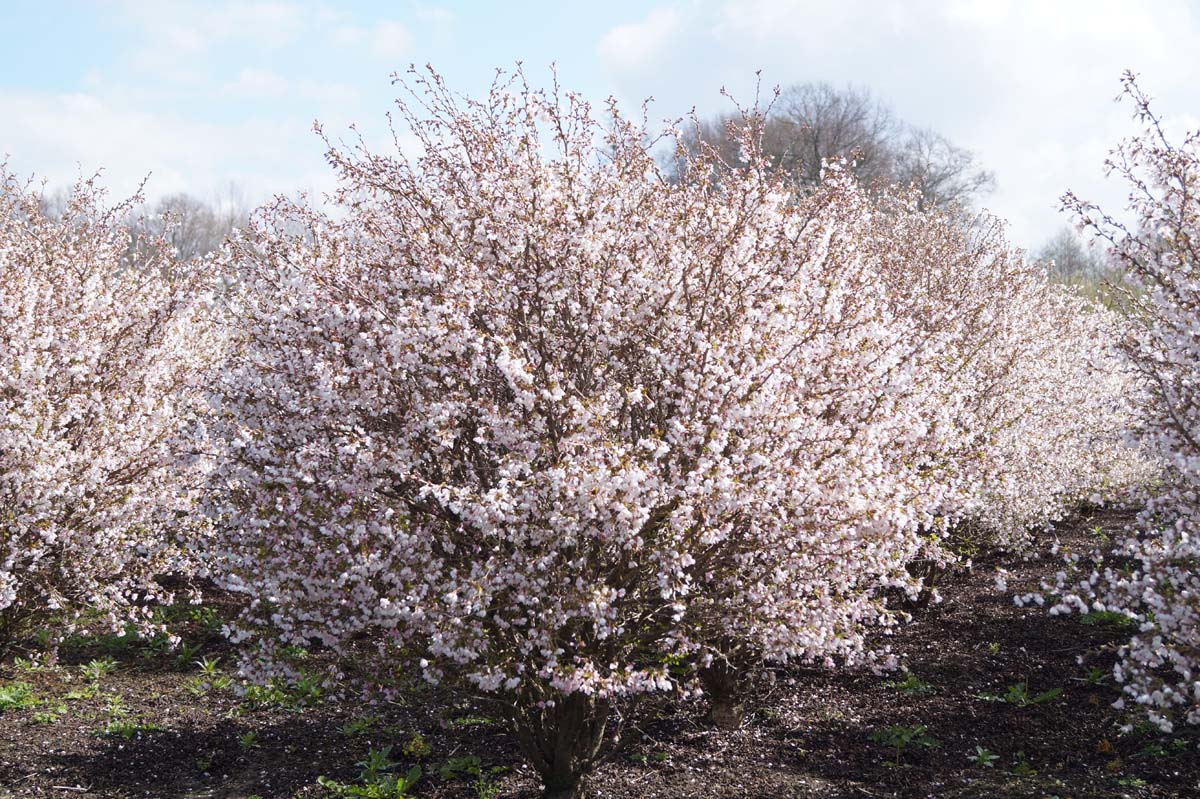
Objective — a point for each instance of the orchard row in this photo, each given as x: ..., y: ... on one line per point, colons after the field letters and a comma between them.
x: 531, y: 414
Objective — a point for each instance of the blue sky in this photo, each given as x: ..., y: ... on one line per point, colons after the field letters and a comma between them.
x: 201, y: 95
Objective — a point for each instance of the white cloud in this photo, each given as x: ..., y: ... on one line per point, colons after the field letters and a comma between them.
x: 390, y: 40
x: 635, y: 46
x: 385, y: 40
x: 251, y: 82
x: 434, y: 15
x: 177, y: 37
x: 260, y: 156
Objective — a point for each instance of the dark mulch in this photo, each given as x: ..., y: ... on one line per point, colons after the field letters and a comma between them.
x: 813, y: 736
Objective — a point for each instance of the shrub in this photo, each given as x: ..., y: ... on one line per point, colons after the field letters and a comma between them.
x: 1029, y: 388
x: 1156, y: 579
x: 528, y: 415
x: 101, y: 338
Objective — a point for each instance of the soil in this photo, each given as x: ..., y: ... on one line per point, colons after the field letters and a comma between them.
x: 810, y: 733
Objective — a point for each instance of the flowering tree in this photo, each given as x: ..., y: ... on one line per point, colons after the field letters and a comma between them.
x: 527, y: 414
x: 101, y: 353
x: 530, y: 415
x: 1013, y: 350
x: 1157, y: 577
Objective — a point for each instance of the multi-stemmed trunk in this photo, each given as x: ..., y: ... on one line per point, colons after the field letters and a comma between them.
x: 724, y: 684
x: 563, y: 737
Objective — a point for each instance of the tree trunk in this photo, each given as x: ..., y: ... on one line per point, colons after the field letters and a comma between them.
x: 930, y: 572
x: 576, y: 791
x: 563, y: 742
x: 724, y: 685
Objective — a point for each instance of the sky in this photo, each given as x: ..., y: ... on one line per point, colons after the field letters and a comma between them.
x: 208, y: 95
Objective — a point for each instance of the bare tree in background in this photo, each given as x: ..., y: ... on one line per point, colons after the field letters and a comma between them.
x: 54, y: 204
x: 811, y: 123
x: 193, y: 227
x: 1069, y: 260
x: 943, y: 173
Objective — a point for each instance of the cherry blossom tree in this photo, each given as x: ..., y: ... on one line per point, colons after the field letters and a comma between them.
x: 1154, y: 575
x: 101, y: 359
x: 1010, y: 351
x: 527, y: 415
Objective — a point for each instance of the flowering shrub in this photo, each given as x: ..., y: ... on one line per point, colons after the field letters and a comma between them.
x: 100, y: 353
x: 1156, y: 574
x: 1028, y: 382
x: 526, y: 414
x: 529, y: 415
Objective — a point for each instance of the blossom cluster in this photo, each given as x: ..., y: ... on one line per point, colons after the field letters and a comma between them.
x: 1153, y: 576
x: 101, y: 337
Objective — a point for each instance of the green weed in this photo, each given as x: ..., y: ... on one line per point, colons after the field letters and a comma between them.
x: 899, y: 738
x: 127, y: 729
x: 98, y: 669
x: 17, y: 696
x: 912, y: 685
x: 983, y: 757
x: 376, y: 780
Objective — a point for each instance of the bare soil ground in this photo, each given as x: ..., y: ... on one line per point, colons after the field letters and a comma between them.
x: 995, y: 703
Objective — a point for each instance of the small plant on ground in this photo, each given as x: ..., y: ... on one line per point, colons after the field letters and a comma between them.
x: 1108, y: 618
x: 377, y: 780
x: 197, y: 687
x: 359, y: 725
x: 208, y: 666
x: 470, y: 768
x: 261, y: 696
x: 1018, y: 695
x: 30, y: 664
x: 417, y: 747
x: 17, y: 696
x: 95, y: 670
x: 186, y: 653
x: 128, y: 729
x: 899, y: 738
x: 912, y: 685
x: 1022, y: 767
x: 982, y: 757
x: 248, y: 740
x: 115, y: 706
x: 50, y: 715
x: 206, y: 618
x: 469, y: 721
x: 306, y: 690
x: 277, y: 693
x: 82, y: 694
x: 210, y: 679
